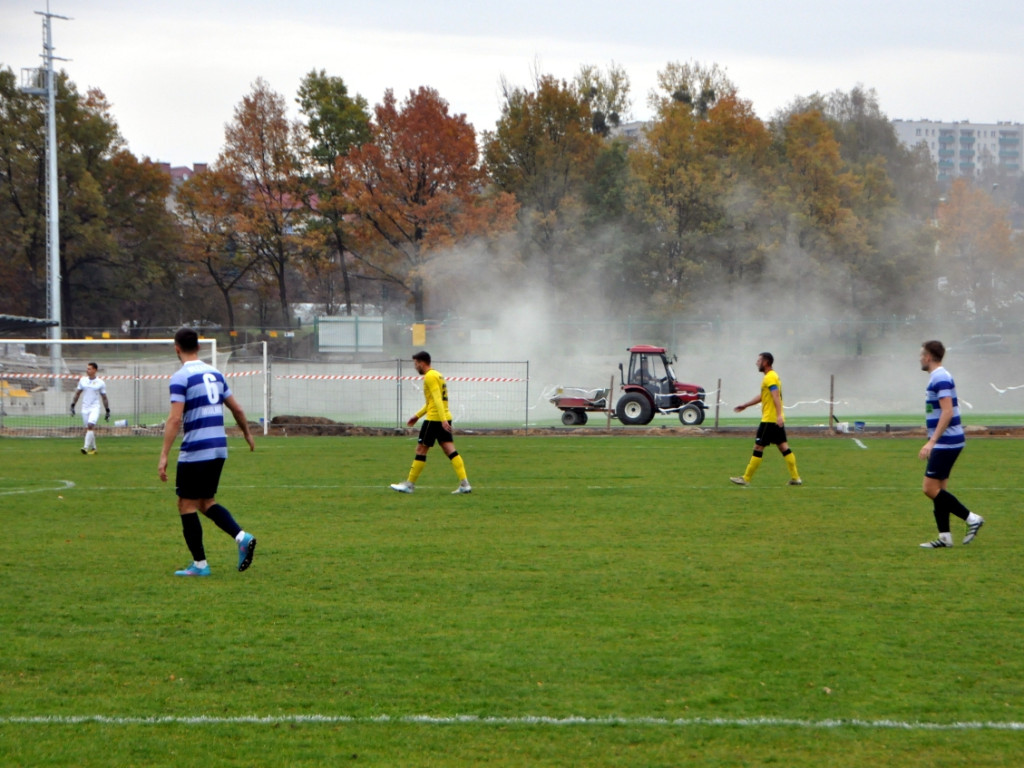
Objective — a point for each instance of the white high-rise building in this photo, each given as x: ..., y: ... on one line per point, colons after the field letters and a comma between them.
x: 966, y: 149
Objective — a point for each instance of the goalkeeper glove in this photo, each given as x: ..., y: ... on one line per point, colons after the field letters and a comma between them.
x: 72, y: 409
x: 107, y: 417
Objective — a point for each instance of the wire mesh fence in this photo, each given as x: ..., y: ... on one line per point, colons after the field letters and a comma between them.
x: 385, y: 393
x: 36, y: 388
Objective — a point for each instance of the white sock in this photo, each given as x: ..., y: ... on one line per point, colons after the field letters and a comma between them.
x: 240, y: 536
x: 200, y: 563
x: 946, y: 538
x: 972, y: 518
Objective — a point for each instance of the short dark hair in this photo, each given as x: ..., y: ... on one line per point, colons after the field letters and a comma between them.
x: 936, y: 349
x: 423, y: 356
x: 769, y: 357
x: 93, y: 365
x: 187, y: 339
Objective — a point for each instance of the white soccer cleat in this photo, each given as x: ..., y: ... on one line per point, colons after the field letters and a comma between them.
x: 403, y: 487
x: 739, y: 480
x: 937, y: 544
x: 972, y: 530
x: 464, y: 487
x: 798, y: 481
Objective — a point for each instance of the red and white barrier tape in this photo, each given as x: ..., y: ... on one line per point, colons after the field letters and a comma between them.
x: 116, y: 377
x: 368, y: 377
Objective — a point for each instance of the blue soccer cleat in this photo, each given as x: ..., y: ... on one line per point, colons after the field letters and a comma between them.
x: 194, y: 570
x: 246, y: 547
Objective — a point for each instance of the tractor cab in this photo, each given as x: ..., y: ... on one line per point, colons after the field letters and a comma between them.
x: 650, y: 370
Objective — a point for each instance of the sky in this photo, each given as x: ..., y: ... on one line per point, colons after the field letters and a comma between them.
x: 174, y: 72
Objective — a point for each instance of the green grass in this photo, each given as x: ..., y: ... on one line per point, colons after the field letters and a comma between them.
x: 619, y: 578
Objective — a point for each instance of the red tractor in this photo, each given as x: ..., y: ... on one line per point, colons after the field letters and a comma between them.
x: 649, y: 387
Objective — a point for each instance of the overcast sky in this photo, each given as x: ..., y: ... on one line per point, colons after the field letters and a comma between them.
x: 174, y: 71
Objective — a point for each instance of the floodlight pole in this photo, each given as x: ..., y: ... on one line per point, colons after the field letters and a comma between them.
x: 53, y: 299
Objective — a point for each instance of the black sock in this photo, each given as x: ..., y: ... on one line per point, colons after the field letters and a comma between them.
x: 193, y: 530
x: 951, y: 504
x: 223, y: 520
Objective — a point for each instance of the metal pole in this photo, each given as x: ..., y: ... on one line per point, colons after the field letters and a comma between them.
x: 137, y: 397
x: 53, y: 298
x: 831, y: 403
x: 52, y: 210
x: 608, y: 402
x: 526, y: 420
x: 718, y: 401
x: 398, y: 394
x: 266, y: 390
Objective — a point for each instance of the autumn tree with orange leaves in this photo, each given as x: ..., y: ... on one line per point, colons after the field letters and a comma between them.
x: 697, y: 199
x: 976, y: 250
x: 418, y: 189
x: 213, y: 252
x: 261, y: 154
x: 336, y: 122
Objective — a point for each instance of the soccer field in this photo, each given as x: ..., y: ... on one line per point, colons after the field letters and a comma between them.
x: 596, y: 601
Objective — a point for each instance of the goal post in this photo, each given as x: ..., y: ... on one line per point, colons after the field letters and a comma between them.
x: 35, y: 398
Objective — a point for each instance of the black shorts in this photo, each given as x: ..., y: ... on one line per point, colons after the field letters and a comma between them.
x: 198, y: 479
x: 770, y: 433
x: 940, y: 463
x: 432, y: 432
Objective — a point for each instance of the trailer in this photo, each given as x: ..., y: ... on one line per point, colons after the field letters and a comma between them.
x: 576, y: 402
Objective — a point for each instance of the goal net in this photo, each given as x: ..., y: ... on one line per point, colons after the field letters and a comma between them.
x: 37, y: 385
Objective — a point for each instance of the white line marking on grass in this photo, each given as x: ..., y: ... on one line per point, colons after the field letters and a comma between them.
x: 572, y: 487
x: 859, y: 444
x: 740, y: 722
x: 65, y: 484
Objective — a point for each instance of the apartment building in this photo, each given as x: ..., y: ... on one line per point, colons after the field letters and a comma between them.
x: 964, y: 148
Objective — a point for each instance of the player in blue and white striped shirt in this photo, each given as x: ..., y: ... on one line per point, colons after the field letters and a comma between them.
x: 199, y: 393
x: 945, y: 441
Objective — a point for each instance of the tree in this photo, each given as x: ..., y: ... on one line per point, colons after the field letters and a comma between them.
x: 336, y: 122
x: 543, y: 151
x: 866, y: 137
x: 22, y: 205
x: 261, y: 153
x: 860, y: 248
x: 607, y: 95
x: 115, y: 231
x: 976, y: 250
x: 213, y: 250
x: 696, y: 85
x: 696, y: 198
x: 417, y: 190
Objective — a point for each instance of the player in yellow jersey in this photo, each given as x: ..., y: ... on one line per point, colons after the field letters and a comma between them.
x: 772, y: 429
x: 436, y: 428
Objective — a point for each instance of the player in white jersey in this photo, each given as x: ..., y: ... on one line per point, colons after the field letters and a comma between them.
x: 92, y: 390
x: 199, y: 393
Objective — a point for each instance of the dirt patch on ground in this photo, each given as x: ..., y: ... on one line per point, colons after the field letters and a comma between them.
x: 296, y: 426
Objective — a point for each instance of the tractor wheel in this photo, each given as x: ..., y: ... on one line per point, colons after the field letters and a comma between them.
x: 569, y: 418
x: 634, y: 408
x: 691, y: 415
x: 581, y: 417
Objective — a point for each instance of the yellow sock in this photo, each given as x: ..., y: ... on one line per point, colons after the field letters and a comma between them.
x: 459, y: 465
x: 791, y: 463
x: 417, y: 466
x: 755, y: 462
